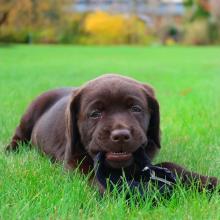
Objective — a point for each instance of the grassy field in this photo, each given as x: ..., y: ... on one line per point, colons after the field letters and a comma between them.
x: 187, y: 82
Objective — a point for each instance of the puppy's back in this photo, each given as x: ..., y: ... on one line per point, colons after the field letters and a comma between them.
x: 34, y: 112
x: 49, y: 131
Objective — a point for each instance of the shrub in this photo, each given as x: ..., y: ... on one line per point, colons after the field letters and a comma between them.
x: 9, y: 35
x: 197, y: 33
x: 104, y: 28
x: 48, y: 36
x: 72, y: 28
x: 136, y: 31
x: 214, y: 32
x: 169, y: 33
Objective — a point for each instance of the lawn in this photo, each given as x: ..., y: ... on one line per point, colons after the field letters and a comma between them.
x: 187, y: 83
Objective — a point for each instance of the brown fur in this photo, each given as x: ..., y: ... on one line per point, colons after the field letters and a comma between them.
x: 66, y: 125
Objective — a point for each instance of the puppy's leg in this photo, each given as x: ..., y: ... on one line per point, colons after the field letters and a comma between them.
x: 187, y: 177
x: 22, y: 133
x: 18, y: 137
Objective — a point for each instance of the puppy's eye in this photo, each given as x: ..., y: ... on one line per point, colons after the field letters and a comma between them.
x: 136, y: 108
x: 95, y: 114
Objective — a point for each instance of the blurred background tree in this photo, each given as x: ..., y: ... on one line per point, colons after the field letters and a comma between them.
x: 5, y: 6
x: 27, y: 16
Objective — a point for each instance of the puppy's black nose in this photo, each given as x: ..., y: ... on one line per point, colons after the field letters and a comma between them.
x: 120, y: 135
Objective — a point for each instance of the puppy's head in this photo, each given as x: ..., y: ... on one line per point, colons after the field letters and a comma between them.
x: 115, y: 115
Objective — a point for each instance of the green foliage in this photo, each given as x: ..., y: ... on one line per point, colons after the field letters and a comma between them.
x: 8, y: 35
x: 214, y: 32
x: 200, y: 13
x: 188, y: 3
x: 198, y: 9
x: 187, y: 86
x: 72, y: 31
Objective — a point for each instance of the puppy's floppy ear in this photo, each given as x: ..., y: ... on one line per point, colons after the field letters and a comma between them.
x: 72, y: 132
x: 153, y: 133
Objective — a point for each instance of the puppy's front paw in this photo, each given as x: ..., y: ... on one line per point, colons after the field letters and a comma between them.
x: 210, y: 183
x: 213, y: 183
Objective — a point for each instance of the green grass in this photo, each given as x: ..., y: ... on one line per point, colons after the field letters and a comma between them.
x: 187, y: 82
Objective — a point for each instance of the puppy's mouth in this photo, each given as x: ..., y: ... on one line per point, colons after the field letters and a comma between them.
x: 118, y: 156
x: 118, y: 159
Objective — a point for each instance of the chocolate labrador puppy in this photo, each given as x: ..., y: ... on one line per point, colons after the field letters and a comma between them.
x: 111, y: 114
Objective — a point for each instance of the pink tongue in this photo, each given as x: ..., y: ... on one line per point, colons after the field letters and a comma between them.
x: 118, y: 156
